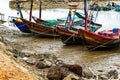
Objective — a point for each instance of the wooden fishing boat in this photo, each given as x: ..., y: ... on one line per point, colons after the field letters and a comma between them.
x: 69, y: 36
x: 69, y: 33
x: 43, y: 29
x: 95, y: 7
x: 102, y: 39
x: 51, y: 22
x: 117, y: 8
x: 41, y: 26
x: 107, y: 7
x: 21, y: 26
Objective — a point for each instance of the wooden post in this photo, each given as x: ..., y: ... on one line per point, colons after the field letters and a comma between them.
x: 40, y: 8
x: 31, y: 10
x: 86, y: 14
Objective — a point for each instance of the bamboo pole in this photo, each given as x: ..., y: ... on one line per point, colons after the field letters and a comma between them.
x: 30, y: 18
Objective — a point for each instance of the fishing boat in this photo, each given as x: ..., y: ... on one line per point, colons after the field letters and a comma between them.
x: 42, y: 26
x: 117, y: 8
x: 43, y: 29
x: 69, y: 31
x: 46, y: 29
x: 99, y: 40
x: 18, y: 22
x: 21, y: 26
x: 103, y: 39
x: 51, y: 22
x: 95, y: 7
x: 107, y: 7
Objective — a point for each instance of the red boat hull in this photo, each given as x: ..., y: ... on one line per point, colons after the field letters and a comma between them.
x: 96, y: 40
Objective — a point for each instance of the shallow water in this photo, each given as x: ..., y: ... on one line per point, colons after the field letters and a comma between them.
x: 96, y: 60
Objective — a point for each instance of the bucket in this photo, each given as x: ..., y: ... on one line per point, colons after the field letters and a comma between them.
x: 115, y: 30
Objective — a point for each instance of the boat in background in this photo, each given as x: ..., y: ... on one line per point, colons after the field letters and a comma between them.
x: 99, y: 40
x: 95, y: 7
x: 107, y: 7
x: 117, y: 8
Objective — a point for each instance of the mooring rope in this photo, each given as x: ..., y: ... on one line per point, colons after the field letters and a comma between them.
x: 69, y: 38
x: 100, y: 45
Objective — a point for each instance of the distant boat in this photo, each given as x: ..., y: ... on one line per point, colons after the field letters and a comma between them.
x: 103, y: 39
x: 107, y: 7
x: 95, y: 7
x: 117, y: 8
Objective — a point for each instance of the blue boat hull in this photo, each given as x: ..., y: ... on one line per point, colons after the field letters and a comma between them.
x: 21, y: 26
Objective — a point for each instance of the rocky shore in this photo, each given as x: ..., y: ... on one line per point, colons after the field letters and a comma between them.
x: 29, y: 65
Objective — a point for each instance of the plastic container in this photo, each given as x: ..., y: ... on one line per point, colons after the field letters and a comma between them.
x: 115, y: 30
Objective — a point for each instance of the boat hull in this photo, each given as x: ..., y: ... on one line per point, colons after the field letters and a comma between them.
x: 69, y: 37
x: 41, y: 29
x: 96, y: 40
x: 21, y: 26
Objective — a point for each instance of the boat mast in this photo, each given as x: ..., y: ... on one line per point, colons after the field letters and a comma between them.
x: 86, y: 15
x: 19, y: 9
x: 31, y: 10
x: 40, y: 7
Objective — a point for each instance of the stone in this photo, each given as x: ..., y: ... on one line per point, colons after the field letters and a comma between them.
x: 40, y: 65
x: 30, y: 61
x: 87, y: 73
x: 25, y: 58
x: 2, y: 47
x: 48, y: 63
x: 71, y: 77
x: 113, y: 73
x: 75, y: 68
x: 28, y: 52
x: 102, y: 77
x: 54, y: 73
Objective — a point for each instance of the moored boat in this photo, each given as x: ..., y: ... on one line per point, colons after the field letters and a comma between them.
x: 99, y: 40
x: 43, y: 29
x: 21, y: 26
x: 69, y: 31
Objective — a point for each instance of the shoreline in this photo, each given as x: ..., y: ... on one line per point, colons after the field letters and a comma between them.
x: 49, y: 5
